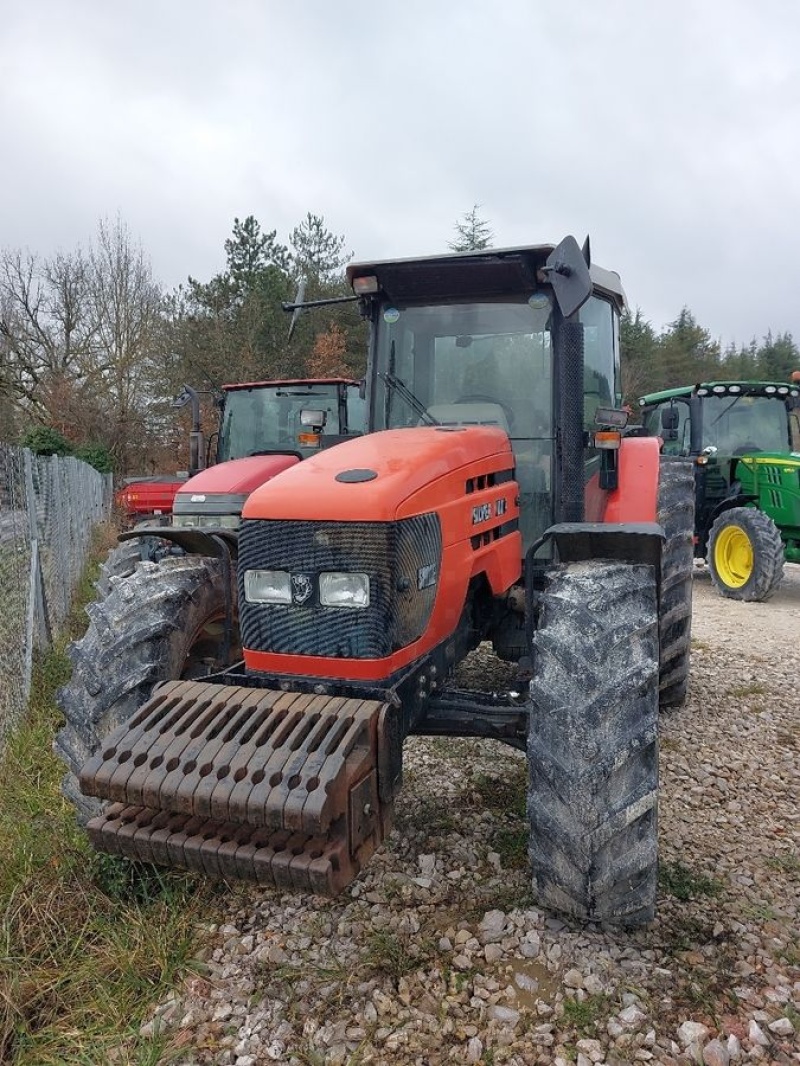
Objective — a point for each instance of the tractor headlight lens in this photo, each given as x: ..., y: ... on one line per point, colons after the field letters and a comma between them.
x: 344, y: 590
x: 207, y: 521
x: 220, y: 521
x: 267, y: 586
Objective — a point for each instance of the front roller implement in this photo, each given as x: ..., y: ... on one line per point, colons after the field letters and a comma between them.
x: 275, y: 787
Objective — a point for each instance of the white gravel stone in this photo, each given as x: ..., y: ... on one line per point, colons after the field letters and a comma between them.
x: 692, y: 1033
x: 474, y: 1050
x: 491, y: 927
x: 781, y: 1027
x: 504, y: 1015
x: 632, y: 1017
x: 756, y: 1034
x: 716, y: 1053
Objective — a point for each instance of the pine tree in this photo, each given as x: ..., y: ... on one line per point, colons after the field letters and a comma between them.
x: 473, y: 233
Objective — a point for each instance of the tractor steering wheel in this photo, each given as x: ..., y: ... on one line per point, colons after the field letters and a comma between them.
x: 477, y: 397
x: 748, y: 446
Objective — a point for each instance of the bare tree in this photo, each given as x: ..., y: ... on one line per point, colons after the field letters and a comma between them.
x: 127, y: 306
x: 47, y: 328
x: 79, y: 341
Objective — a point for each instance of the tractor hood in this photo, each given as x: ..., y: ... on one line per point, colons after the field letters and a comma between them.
x: 222, y: 489
x: 238, y: 475
x: 388, y: 475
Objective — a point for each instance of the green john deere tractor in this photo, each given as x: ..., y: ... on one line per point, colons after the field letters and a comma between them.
x: 745, y: 439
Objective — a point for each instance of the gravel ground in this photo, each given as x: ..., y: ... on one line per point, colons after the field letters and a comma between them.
x: 437, y: 954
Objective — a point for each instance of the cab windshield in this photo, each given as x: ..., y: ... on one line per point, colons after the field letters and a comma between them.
x: 738, y: 424
x: 264, y: 419
x: 732, y: 425
x: 489, y: 363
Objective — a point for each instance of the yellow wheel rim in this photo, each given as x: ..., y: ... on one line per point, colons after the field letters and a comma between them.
x: 733, y: 557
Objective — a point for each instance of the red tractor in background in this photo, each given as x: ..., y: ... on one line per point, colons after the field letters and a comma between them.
x: 241, y: 710
x: 262, y: 431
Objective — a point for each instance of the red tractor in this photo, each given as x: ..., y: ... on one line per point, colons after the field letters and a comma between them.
x: 265, y: 427
x: 242, y: 710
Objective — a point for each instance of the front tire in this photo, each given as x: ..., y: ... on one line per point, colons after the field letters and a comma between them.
x: 593, y: 743
x: 745, y: 555
x: 676, y: 517
x: 164, y: 622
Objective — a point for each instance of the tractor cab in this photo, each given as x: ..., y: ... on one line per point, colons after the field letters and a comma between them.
x: 474, y: 339
x: 266, y: 427
x: 287, y: 417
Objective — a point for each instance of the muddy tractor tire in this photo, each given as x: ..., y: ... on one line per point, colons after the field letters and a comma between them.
x: 745, y: 555
x: 593, y: 743
x: 120, y: 563
x: 676, y: 516
x: 164, y: 622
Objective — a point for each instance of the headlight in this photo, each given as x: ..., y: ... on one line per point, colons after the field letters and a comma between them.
x: 207, y: 521
x: 220, y: 521
x: 267, y: 586
x: 344, y: 590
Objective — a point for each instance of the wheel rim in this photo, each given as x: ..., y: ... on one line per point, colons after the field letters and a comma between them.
x: 203, y: 650
x: 733, y: 557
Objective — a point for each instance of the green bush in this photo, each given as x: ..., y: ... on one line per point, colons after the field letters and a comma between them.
x: 96, y: 455
x: 44, y: 440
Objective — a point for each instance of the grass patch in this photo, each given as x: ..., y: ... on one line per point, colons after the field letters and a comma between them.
x: 752, y: 688
x: 86, y: 943
x: 511, y: 844
x: 502, y: 795
x: 396, y: 956
x: 584, y: 1015
x: 676, y: 879
x: 426, y: 814
x: 761, y: 911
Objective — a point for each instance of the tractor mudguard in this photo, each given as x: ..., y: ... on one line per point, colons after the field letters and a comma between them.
x: 192, y: 540
x: 629, y: 542
x: 636, y: 497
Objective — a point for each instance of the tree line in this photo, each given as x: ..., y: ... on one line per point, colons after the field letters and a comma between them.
x: 92, y: 348
x: 684, y: 353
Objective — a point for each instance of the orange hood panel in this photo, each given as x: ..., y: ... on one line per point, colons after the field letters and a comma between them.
x: 369, y: 478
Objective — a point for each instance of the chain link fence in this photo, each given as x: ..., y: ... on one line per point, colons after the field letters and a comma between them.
x: 48, y: 508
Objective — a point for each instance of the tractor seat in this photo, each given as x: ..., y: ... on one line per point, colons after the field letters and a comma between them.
x: 469, y: 414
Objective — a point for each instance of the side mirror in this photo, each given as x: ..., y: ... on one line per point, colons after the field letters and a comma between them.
x: 670, y: 420
x: 568, y: 273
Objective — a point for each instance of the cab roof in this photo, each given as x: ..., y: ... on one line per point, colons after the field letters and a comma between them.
x: 493, y: 272
x: 288, y: 383
x: 723, y: 388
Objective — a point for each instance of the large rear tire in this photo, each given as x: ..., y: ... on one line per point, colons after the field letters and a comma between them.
x: 676, y: 516
x: 745, y: 555
x: 593, y: 743
x: 164, y: 622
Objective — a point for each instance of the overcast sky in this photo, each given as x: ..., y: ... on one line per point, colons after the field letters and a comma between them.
x: 670, y: 132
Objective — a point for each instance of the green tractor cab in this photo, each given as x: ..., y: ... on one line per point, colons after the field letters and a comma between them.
x: 744, y: 437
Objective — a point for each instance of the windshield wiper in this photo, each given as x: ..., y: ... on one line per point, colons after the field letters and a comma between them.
x: 416, y: 405
x: 733, y: 402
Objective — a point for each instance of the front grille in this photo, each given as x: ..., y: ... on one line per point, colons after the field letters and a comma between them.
x: 397, y: 556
